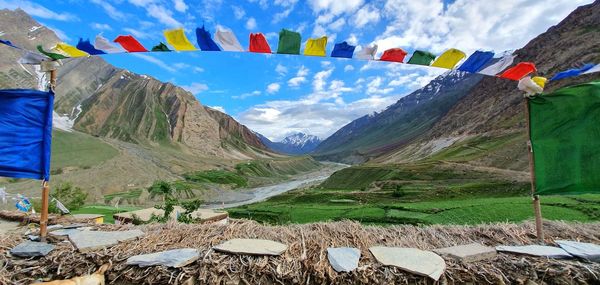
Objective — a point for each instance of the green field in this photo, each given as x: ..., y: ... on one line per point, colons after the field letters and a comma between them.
x: 78, y: 150
x: 107, y: 211
x: 416, y: 194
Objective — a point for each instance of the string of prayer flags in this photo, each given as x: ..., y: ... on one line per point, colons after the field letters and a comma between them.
x: 572, y: 72
x: 449, y: 58
x: 519, y: 71
x: 343, y: 49
x: 529, y: 86
x: 421, y: 58
x: 476, y: 61
x: 367, y: 52
x: 130, y: 44
x: 69, y: 50
x: 541, y: 81
x: 227, y: 39
x: 86, y: 46
x: 316, y: 47
x: 593, y: 69
x: 394, y: 55
x: 289, y: 42
x: 160, y: 47
x: 102, y: 43
x: 205, y: 42
x: 498, y: 66
x: 52, y: 55
x: 177, y: 39
x: 32, y: 58
x: 259, y: 44
x: 8, y: 43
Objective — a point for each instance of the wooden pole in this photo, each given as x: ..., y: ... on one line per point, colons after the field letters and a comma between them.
x: 537, y: 208
x: 45, y: 186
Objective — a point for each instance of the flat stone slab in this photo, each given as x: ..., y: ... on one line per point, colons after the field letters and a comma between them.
x: 64, y: 232
x: 170, y: 258
x: 468, y: 252
x: 32, y: 249
x: 536, y: 250
x: 91, y: 240
x: 421, y: 262
x: 343, y: 259
x: 588, y: 251
x: 252, y: 247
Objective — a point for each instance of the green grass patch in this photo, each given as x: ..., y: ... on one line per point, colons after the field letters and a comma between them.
x: 218, y: 177
x: 78, y: 150
x: 127, y: 195
x: 107, y: 211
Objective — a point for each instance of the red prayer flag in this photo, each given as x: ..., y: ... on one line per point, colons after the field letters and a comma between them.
x: 519, y: 71
x: 258, y: 43
x: 394, y: 54
x: 130, y: 44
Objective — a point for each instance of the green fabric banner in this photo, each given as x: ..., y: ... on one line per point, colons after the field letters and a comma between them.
x: 565, y: 135
x: 421, y: 57
x: 160, y: 47
x: 289, y: 42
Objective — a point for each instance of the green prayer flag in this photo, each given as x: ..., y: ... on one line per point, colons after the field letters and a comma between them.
x: 160, y: 47
x: 289, y: 42
x: 54, y: 56
x: 421, y: 58
x: 565, y: 136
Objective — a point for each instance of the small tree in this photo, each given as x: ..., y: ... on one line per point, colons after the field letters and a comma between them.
x: 399, y: 192
x: 161, y: 188
x: 72, y: 197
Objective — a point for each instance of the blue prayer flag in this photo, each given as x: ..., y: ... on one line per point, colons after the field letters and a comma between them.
x: 205, y: 42
x: 476, y: 61
x: 572, y: 72
x: 88, y: 47
x: 8, y: 43
x: 343, y: 49
x: 25, y: 133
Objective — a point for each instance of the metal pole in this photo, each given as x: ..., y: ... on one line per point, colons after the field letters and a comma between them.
x: 45, y: 186
x: 537, y: 208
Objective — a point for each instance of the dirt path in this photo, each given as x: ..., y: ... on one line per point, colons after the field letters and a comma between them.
x: 254, y: 195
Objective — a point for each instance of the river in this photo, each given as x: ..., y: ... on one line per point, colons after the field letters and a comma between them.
x: 254, y: 195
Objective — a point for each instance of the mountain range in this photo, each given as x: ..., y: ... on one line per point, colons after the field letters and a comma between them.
x: 294, y: 144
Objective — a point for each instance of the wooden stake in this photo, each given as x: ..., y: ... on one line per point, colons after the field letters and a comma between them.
x: 45, y: 186
x: 537, y: 207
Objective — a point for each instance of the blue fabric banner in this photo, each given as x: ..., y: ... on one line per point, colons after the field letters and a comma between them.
x: 572, y: 72
x: 25, y: 133
x: 343, y: 49
x: 476, y: 61
x: 205, y: 42
x: 88, y: 47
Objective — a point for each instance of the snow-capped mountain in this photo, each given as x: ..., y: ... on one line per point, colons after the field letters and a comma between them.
x: 297, y: 143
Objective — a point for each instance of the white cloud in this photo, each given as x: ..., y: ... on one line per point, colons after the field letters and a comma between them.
x: 273, y: 88
x: 367, y: 14
x: 37, y: 10
x: 289, y: 7
x: 319, y: 80
x: 155, y: 61
x: 300, y: 77
x: 373, y: 87
x: 59, y: 33
x: 348, y: 67
x: 251, y: 24
x: 218, y: 108
x: 337, y: 25
x: 262, y: 3
x: 248, y: 94
x: 163, y: 15
x: 110, y: 10
x: 180, y: 5
x: 302, y: 71
x: 195, y: 88
x: 280, y: 69
x: 101, y: 27
x: 139, y: 34
x: 238, y: 12
x: 334, y: 7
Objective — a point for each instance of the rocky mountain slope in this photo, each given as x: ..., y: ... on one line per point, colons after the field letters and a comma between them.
x: 298, y: 143
x: 399, y: 123
x: 110, y: 102
x: 479, y: 115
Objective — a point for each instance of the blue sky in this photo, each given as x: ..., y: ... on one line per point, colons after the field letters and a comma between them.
x: 281, y: 94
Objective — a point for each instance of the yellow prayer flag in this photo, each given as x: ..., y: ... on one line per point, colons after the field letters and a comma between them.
x: 316, y: 47
x: 69, y: 50
x: 540, y: 81
x: 449, y: 58
x: 177, y: 39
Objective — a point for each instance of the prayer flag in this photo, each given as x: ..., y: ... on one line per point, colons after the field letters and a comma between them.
x: 32, y: 58
x: 227, y: 39
x: 102, y: 43
x: 316, y: 47
x: 540, y: 81
x: 421, y: 58
x: 572, y: 72
x: 394, y: 54
x: 205, y: 42
x: 343, y: 49
x: 130, y: 44
x: 529, y: 86
x: 26, y: 133
x: 519, y: 71
x: 367, y: 52
x: 498, y: 66
x: 70, y: 50
x: 51, y: 55
x: 259, y: 44
x: 177, y: 39
x: 476, y: 61
x: 8, y: 43
x: 86, y: 46
x: 160, y: 47
x: 593, y: 69
x: 449, y: 59
x: 289, y: 42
